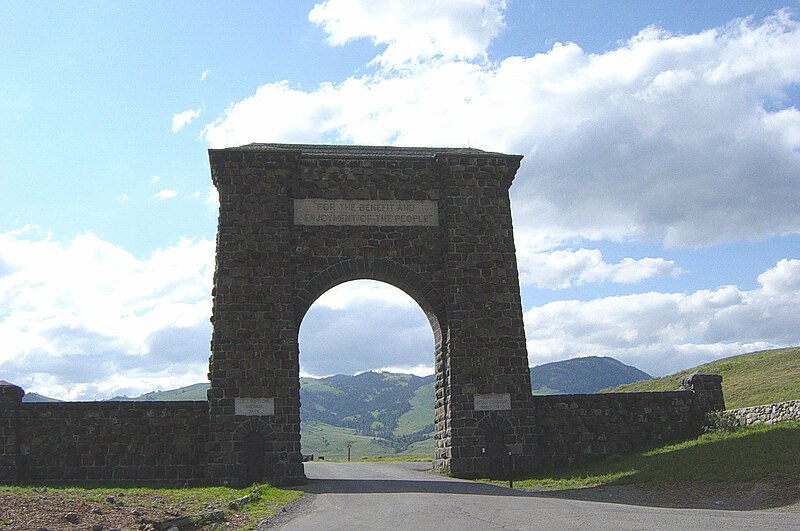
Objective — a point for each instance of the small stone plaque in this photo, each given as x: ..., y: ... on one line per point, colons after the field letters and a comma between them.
x: 254, y: 407
x: 492, y: 402
x: 376, y: 213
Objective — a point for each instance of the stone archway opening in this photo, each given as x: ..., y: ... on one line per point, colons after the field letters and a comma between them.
x: 359, y: 331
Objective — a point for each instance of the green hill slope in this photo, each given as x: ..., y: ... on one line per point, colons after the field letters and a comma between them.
x: 395, y: 409
x: 191, y: 392
x: 753, y: 379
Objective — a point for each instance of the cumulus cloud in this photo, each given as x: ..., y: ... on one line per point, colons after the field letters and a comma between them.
x: 564, y: 268
x: 182, y: 119
x: 413, y: 32
x: 103, y: 322
x: 166, y: 193
x: 365, y: 325
x: 683, y: 139
x: 665, y: 332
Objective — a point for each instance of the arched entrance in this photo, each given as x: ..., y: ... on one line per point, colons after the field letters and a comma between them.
x: 296, y: 220
x: 350, y: 339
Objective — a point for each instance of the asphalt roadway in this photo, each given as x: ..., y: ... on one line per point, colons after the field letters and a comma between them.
x: 409, y: 496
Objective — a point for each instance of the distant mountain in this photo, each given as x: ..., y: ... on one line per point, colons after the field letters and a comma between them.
x: 36, y: 397
x: 582, y: 375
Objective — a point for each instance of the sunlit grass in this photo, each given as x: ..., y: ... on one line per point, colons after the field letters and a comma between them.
x: 753, y: 379
x: 753, y: 453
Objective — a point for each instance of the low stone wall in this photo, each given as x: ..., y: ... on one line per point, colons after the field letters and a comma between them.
x: 169, y: 441
x: 767, y: 414
x: 578, y: 428
x: 120, y: 441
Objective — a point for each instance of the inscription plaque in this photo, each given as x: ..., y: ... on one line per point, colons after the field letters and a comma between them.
x: 492, y: 402
x: 377, y: 213
x: 254, y: 407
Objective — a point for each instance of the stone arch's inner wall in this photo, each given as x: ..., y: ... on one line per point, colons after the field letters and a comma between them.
x: 297, y: 220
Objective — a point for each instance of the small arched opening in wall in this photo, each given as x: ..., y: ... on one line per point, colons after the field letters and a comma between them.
x: 254, y: 451
x: 360, y: 327
x: 496, y: 449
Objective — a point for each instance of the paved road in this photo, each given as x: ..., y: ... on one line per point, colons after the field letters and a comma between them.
x: 407, y: 496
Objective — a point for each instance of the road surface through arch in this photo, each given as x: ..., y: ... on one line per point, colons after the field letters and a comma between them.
x: 410, y: 496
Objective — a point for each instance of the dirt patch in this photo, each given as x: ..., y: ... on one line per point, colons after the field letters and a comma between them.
x: 781, y: 495
x: 55, y: 511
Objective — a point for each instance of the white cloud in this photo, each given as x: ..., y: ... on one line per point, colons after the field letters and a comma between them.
x: 154, y: 178
x: 675, y: 138
x: 364, y: 324
x: 166, y: 193
x: 564, y: 268
x: 212, y: 197
x: 123, y: 197
x: 102, y: 322
x: 182, y: 119
x: 203, y: 77
x: 782, y: 279
x: 413, y: 31
x: 364, y: 292
x: 665, y: 332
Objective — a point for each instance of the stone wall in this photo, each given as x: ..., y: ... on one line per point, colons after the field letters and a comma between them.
x: 578, y: 428
x: 766, y: 414
x: 119, y: 441
x: 10, y: 401
x: 167, y: 441
x: 570, y: 429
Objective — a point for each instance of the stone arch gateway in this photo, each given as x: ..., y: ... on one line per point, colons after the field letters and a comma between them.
x: 296, y: 220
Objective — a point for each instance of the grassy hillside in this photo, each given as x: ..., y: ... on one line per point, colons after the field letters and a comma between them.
x: 191, y: 392
x: 751, y: 379
x: 420, y: 415
x: 753, y: 453
x: 323, y: 439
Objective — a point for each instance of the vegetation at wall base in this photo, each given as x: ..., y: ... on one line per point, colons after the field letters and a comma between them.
x: 752, y: 453
x: 757, y: 378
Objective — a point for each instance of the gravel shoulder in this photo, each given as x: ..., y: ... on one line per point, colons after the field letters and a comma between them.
x: 55, y: 511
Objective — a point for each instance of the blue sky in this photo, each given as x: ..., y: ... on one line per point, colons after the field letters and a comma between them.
x: 655, y: 210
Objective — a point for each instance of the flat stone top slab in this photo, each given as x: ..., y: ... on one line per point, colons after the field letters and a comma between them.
x: 334, y: 150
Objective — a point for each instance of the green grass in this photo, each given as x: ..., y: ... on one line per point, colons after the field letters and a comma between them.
x: 425, y: 448
x: 753, y: 379
x: 420, y: 414
x: 313, y: 384
x: 330, y: 441
x: 544, y: 390
x: 188, y: 499
x: 753, y: 453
